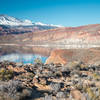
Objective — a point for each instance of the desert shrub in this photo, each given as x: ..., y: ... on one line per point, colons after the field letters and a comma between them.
x: 14, y: 90
x: 96, y: 76
x: 74, y: 65
x: 38, y: 61
x: 66, y: 73
x: 93, y: 93
x: 48, y: 97
x: 78, y: 65
x: 6, y: 74
x: 27, y: 77
x: 83, y: 66
x: 55, y: 87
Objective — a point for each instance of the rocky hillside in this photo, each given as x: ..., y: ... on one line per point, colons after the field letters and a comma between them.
x: 83, y: 35
x: 79, y: 35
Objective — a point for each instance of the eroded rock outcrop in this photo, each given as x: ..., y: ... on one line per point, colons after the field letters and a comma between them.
x: 64, y: 56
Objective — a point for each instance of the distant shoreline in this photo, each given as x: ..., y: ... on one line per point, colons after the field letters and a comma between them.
x: 55, y: 46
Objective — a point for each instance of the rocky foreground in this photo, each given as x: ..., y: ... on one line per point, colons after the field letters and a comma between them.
x: 74, y: 81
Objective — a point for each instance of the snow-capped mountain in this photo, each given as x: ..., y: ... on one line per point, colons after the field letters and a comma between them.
x: 8, y: 20
x: 11, y: 21
x: 11, y: 25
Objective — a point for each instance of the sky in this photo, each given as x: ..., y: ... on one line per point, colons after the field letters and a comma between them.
x: 61, y: 12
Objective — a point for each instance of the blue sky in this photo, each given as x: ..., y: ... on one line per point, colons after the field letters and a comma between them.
x: 63, y: 12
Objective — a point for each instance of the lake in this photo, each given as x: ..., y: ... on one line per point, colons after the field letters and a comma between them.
x: 25, y: 55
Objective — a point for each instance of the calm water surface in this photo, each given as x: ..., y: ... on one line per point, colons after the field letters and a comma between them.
x: 28, y: 54
x: 24, y: 55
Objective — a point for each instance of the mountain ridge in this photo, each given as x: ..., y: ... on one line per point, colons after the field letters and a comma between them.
x: 12, y: 21
x: 11, y: 25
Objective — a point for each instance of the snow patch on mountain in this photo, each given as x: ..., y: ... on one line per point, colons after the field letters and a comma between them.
x: 28, y: 21
x: 42, y: 24
x: 39, y: 23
